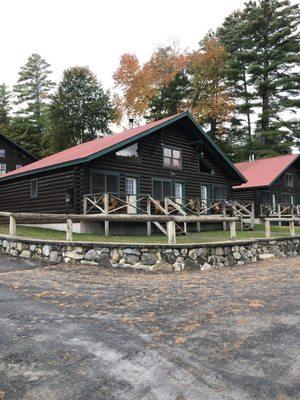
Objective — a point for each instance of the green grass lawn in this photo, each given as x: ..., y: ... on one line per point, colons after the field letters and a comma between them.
x: 206, y: 236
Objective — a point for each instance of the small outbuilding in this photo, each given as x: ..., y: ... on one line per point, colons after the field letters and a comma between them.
x: 273, y: 184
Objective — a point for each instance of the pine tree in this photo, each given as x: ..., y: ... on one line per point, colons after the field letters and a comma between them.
x: 234, y: 36
x: 80, y: 109
x: 5, y: 106
x: 275, y: 52
x: 170, y: 99
x: 32, y: 96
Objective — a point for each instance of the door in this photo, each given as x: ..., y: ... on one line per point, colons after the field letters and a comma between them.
x: 131, y: 194
x: 204, y: 197
x: 274, y: 201
x: 178, y: 186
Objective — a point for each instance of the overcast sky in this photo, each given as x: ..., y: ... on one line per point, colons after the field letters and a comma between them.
x: 97, y: 32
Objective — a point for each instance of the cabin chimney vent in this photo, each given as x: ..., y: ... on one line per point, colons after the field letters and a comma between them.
x: 251, y: 158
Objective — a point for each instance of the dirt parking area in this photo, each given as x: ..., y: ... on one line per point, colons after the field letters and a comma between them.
x: 71, y: 332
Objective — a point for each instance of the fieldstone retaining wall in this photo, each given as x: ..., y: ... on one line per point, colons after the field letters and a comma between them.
x: 153, y: 257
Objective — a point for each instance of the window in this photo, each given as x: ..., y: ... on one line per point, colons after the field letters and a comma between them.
x: 18, y: 166
x: 204, y: 196
x: 289, y: 180
x: 129, y: 153
x: 2, y: 169
x: 34, y: 188
x: 2, y: 153
x: 220, y: 193
x: 162, y: 189
x: 172, y: 158
x: 203, y: 166
x: 288, y: 198
x: 104, y: 182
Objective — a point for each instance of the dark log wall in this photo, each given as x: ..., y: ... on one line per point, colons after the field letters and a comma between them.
x: 15, y: 195
x: 151, y: 164
x: 13, y: 156
x: 259, y: 195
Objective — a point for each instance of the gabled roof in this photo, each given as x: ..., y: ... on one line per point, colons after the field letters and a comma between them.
x: 20, y: 148
x: 95, y: 148
x: 263, y: 172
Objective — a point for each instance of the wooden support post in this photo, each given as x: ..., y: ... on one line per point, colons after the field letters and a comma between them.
x: 268, y: 229
x: 279, y: 214
x: 12, y: 226
x: 224, y: 223
x: 85, y: 205
x: 252, y: 215
x: 149, y: 230
x: 106, y: 209
x: 69, y: 231
x: 232, y: 230
x: 198, y: 213
x: 292, y: 228
x: 171, y: 231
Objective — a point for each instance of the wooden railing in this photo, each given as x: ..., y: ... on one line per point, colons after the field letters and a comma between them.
x: 279, y: 210
x: 291, y: 222
x: 69, y: 219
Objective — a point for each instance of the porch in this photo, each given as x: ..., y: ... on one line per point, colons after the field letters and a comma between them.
x: 145, y: 204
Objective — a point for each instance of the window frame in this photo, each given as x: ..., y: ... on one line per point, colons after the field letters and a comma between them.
x: 161, y: 180
x: 171, y: 166
x: 4, y: 153
x: 5, y: 168
x: 219, y: 187
x: 104, y: 172
x: 212, y: 172
x: 289, y: 179
x: 34, y: 194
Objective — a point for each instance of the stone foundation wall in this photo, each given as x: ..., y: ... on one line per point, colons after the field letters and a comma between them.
x: 152, y: 257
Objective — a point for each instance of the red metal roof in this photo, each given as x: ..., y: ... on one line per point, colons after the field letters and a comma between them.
x: 84, y: 150
x: 263, y: 172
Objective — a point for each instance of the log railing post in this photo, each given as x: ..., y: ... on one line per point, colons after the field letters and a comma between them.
x: 198, y: 213
x: 267, y: 229
x: 171, y: 231
x: 85, y: 206
x: 279, y: 213
x: 149, y: 213
x: 232, y: 230
x: 292, y: 228
x: 106, y: 209
x: 252, y: 215
x: 224, y: 223
x: 12, y: 226
x: 69, y: 230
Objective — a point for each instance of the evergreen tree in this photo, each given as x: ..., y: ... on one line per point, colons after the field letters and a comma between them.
x: 234, y: 36
x: 170, y: 99
x: 262, y: 42
x: 80, y: 109
x: 5, y: 106
x: 275, y: 48
x: 32, y: 95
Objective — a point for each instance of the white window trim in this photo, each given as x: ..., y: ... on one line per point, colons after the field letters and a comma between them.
x: 2, y: 169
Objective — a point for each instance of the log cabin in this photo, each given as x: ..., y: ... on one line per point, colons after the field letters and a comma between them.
x: 273, y: 184
x: 13, y: 156
x: 171, y: 158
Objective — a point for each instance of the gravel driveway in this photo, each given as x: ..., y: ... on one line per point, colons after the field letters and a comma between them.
x: 71, y: 332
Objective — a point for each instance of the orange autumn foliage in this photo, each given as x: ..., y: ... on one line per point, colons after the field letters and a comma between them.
x: 140, y: 83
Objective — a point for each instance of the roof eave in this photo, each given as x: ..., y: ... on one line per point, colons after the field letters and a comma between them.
x: 132, y: 140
